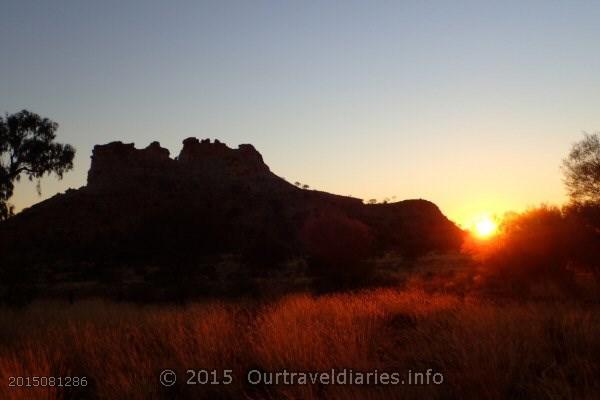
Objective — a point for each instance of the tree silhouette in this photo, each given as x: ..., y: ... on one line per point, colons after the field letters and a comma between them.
x: 27, y: 148
x: 582, y: 169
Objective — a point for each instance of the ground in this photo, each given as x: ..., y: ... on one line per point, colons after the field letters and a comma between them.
x: 538, y: 348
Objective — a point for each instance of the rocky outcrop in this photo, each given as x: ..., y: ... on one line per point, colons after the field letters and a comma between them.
x: 142, y: 206
x: 117, y: 164
x: 216, y: 157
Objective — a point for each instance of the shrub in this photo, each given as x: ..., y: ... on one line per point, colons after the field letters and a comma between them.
x: 584, y: 235
x: 337, y: 247
x: 532, y: 248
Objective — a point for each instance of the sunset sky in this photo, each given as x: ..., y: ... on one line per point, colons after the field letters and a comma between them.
x: 466, y: 104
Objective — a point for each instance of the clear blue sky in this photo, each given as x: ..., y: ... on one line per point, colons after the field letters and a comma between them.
x: 469, y: 104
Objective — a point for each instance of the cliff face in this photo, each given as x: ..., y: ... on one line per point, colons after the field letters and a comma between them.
x: 141, y: 206
x: 116, y: 164
x: 218, y: 159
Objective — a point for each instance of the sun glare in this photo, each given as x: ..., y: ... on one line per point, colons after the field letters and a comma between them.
x: 485, y: 227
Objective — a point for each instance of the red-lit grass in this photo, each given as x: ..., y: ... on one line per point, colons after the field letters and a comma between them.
x: 485, y: 350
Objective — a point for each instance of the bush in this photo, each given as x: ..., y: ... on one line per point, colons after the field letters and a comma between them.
x: 337, y: 247
x: 585, y: 239
x: 532, y: 248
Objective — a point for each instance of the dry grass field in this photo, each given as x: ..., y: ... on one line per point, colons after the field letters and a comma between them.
x: 484, y: 349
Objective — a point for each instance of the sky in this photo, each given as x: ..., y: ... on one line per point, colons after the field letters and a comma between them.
x: 471, y: 105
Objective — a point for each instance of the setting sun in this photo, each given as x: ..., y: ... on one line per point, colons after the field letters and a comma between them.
x: 485, y: 227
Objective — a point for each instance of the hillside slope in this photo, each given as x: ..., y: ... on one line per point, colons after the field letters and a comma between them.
x: 141, y: 206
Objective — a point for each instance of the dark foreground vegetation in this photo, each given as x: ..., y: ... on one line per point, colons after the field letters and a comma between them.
x: 545, y: 245
x: 544, y: 346
x: 514, y: 317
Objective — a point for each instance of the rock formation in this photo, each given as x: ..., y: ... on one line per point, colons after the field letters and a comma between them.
x: 142, y: 207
